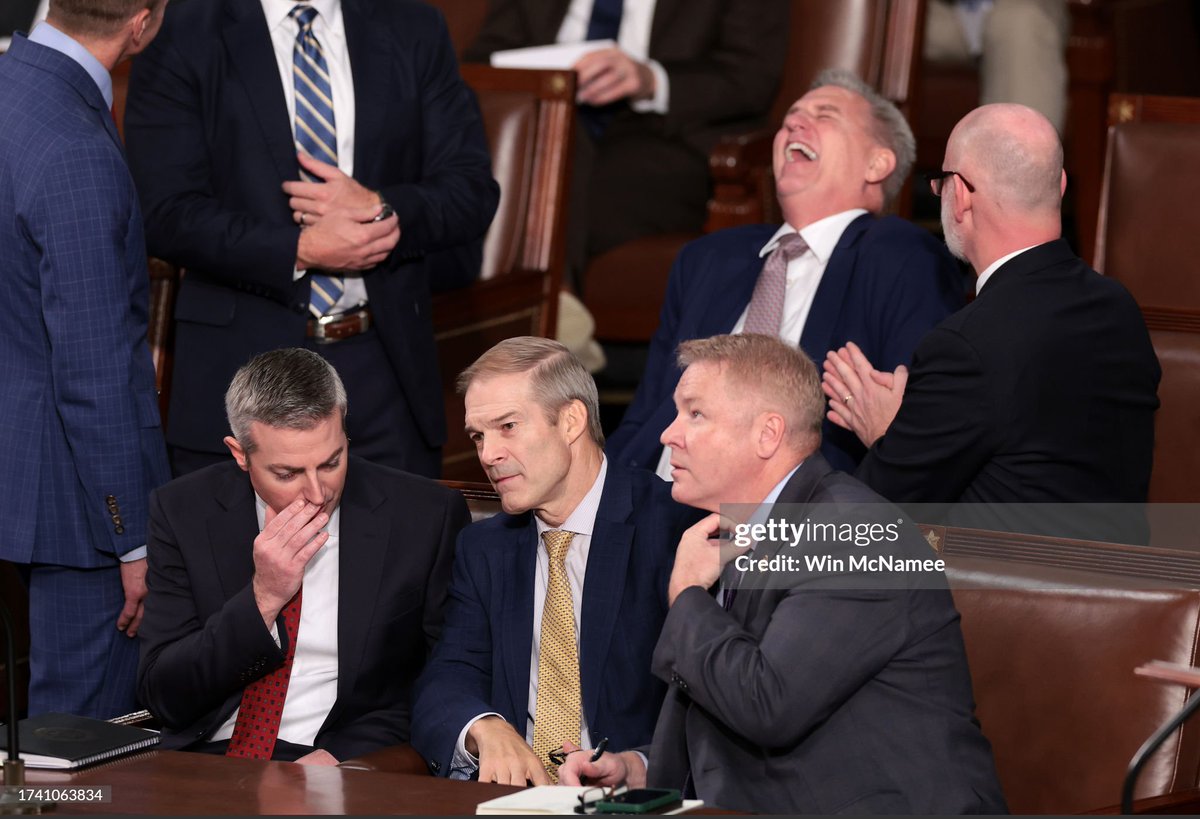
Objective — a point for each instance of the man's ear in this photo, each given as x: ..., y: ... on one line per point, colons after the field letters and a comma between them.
x: 573, y: 419
x: 238, y: 453
x: 770, y: 432
x: 880, y: 164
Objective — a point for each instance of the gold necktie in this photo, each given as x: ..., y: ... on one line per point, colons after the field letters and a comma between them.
x: 558, y: 700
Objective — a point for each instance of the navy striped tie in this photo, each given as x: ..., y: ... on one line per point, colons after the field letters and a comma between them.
x: 316, y: 131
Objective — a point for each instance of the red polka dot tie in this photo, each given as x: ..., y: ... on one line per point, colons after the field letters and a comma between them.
x: 257, y: 725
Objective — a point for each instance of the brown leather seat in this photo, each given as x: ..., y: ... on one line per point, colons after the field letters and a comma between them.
x: 877, y: 39
x: 529, y: 117
x: 1146, y: 239
x: 1052, y: 654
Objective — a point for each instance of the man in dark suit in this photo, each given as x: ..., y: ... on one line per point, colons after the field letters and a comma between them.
x: 1043, y: 389
x: 840, y: 158
x: 545, y: 648
x: 284, y: 252
x: 299, y: 571
x: 79, y: 425
x: 681, y: 75
x: 808, y: 688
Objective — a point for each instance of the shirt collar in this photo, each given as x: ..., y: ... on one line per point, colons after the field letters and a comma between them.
x: 582, y: 519
x: 994, y: 266
x: 763, y: 510
x: 821, y: 236
x: 50, y: 37
x: 278, y: 12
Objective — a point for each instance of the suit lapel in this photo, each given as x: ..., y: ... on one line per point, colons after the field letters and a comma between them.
x: 372, y: 63
x: 731, y: 294
x: 232, y: 532
x: 364, y: 532
x: 660, y: 26
x: 514, y: 643
x: 826, y: 308
x: 248, y: 43
x: 545, y: 19
x: 604, y: 587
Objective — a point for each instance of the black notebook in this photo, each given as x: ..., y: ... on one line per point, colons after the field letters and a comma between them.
x: 65, y: 742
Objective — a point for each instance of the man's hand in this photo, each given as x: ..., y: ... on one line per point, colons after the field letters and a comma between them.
x: 318, y: 757
x: 282, y: 550
x: 861, y: 398
x: 133, y: 580
x: 609, y: 75
x: 347, y: 240
x: 314, y: 200
x: 610, y: 770
x: 700, y: 557
x: 504, y: 756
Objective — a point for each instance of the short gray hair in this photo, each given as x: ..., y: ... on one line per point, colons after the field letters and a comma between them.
x: 890, y: 129
x: 783, y: 377
x: 286, y: 389
x: 557, y: 377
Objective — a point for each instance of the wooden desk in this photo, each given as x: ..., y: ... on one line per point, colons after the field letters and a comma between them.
x: 174, y: 782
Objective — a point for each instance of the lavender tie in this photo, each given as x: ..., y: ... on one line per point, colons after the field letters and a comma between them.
x: 766, y: 305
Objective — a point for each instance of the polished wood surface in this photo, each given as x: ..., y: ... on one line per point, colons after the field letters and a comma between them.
x: 176, y: 783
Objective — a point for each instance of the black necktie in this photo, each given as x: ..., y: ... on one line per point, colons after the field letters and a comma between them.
x: 605, y: 24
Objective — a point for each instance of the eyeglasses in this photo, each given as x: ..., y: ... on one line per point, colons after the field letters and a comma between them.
x: 937, y: 180
x: 589, y: 798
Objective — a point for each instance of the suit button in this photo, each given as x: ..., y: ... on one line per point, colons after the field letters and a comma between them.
x: 436, y: 766
x: 119, y: 529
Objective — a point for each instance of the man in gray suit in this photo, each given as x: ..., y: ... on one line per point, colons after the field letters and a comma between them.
x: 798, y: 688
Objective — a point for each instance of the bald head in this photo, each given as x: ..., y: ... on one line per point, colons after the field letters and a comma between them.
x: 1012, y: 156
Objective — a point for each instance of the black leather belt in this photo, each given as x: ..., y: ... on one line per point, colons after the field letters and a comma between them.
x: 336, y: 327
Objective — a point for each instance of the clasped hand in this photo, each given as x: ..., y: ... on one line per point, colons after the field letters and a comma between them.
x: 337, y: 219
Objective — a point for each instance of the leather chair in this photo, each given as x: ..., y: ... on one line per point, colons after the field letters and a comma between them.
x: 877, y: 39
x: 1146, y: 240
x: 1052, y: 669
x: 530, y: 120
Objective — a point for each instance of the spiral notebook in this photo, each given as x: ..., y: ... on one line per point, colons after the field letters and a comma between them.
x: 65, y: 742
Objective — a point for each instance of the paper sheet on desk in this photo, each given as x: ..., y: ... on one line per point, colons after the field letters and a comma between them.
x: 552, y: 800
x: 560, y: 56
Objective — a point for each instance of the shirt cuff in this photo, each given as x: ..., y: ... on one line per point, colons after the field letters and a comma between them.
x: 464, y: 763
x: 275, y: 635
x: 660, y: 102
x: 133, y: 554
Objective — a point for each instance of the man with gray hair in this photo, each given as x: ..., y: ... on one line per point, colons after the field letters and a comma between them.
x: 296, y: 591
x: 802, y: 687
x: 835, y: 271
x: 554, y: 605
x: 1043, y: 389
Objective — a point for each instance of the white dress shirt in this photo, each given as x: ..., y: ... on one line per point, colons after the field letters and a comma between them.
x: 637, y: 17
x: 803, y: 278
x: 581, y: 522
x: 994, y: 266
x: 330, y: 31
x: 312, y: 688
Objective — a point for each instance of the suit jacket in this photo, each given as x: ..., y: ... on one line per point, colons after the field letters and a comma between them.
x: 482, y: 663
x: 203, y: 638
x: 210, y: 144
x: 1043, y: 389
x: 723, y: 59
x: 829, y: 693
x: 79, y: 425
x: 887, y: 283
